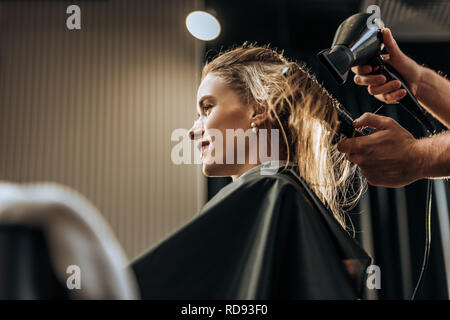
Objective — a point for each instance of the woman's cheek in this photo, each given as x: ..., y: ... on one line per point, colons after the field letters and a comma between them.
x: 216, y: 132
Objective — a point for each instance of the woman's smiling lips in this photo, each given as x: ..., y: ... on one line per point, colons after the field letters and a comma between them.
x: 201, y: 145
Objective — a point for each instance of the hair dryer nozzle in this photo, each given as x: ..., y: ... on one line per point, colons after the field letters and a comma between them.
x: 354, y: 44
x: 337, y: 60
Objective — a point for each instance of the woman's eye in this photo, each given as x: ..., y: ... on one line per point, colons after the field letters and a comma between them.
x: 207, y: 107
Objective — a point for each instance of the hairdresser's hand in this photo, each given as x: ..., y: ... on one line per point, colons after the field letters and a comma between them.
x: 389, y: 157
x: 389, y: 92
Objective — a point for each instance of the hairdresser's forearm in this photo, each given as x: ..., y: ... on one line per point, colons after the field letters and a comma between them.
x: 434, y: 94
x: 434, y: 156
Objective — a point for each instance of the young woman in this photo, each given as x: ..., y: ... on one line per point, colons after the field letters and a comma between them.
x: 263, y: 236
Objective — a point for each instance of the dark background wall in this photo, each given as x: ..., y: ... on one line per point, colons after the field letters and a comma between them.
x: 390, y: 222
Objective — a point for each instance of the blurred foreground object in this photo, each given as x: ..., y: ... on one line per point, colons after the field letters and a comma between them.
x: 46, y: 232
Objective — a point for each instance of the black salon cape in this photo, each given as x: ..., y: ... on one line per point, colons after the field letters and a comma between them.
x: 260, y: 237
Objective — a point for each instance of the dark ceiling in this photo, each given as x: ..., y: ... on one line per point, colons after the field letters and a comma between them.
x: 284, y: 23
x: 304, y: 27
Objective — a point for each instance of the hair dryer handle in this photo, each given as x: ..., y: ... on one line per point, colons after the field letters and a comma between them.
x: 409, y: 102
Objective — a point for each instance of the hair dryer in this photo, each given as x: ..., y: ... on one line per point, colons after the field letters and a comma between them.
x: 355, y: 43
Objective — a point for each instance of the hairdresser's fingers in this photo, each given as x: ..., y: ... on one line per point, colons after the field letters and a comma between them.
x: 374, y: 121
x: 361, y: 70
x: 391, y: 102
x: 352, y: 146
x: 353, y: 157
x: 387, y: 87
x: 374, y: 80
x: 393, y: 97
x: 385, y: 56
x: 345, y: 146
x: 390, y: 44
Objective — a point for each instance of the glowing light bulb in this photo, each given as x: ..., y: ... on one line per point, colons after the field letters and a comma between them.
x: 203, y: 25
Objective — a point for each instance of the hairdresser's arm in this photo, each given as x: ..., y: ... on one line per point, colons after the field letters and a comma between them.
x: 431, y: 89
x: 434, y: 94
x: 392, y: 157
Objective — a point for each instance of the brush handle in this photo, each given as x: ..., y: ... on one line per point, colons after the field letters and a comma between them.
x: 346, y: 126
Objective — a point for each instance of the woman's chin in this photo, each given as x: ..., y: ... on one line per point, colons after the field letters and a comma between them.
x: 209, y: 170
x: 216, y: 170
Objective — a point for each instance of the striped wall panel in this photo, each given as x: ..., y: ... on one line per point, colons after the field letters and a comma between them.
x: 94, y: 109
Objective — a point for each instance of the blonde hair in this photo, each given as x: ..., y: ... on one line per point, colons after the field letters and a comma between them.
x: 304, y: 112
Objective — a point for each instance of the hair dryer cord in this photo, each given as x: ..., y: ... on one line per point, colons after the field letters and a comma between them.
x: 426, y: 255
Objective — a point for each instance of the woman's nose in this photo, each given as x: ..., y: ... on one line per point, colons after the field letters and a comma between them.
x: 196, y: 131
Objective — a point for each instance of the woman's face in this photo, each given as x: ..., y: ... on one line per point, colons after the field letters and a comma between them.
x: 220, y: 108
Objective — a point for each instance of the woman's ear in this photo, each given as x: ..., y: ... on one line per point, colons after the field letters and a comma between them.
x: 259, y: 114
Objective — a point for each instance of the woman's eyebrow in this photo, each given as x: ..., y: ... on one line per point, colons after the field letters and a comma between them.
x: 202, y: 99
